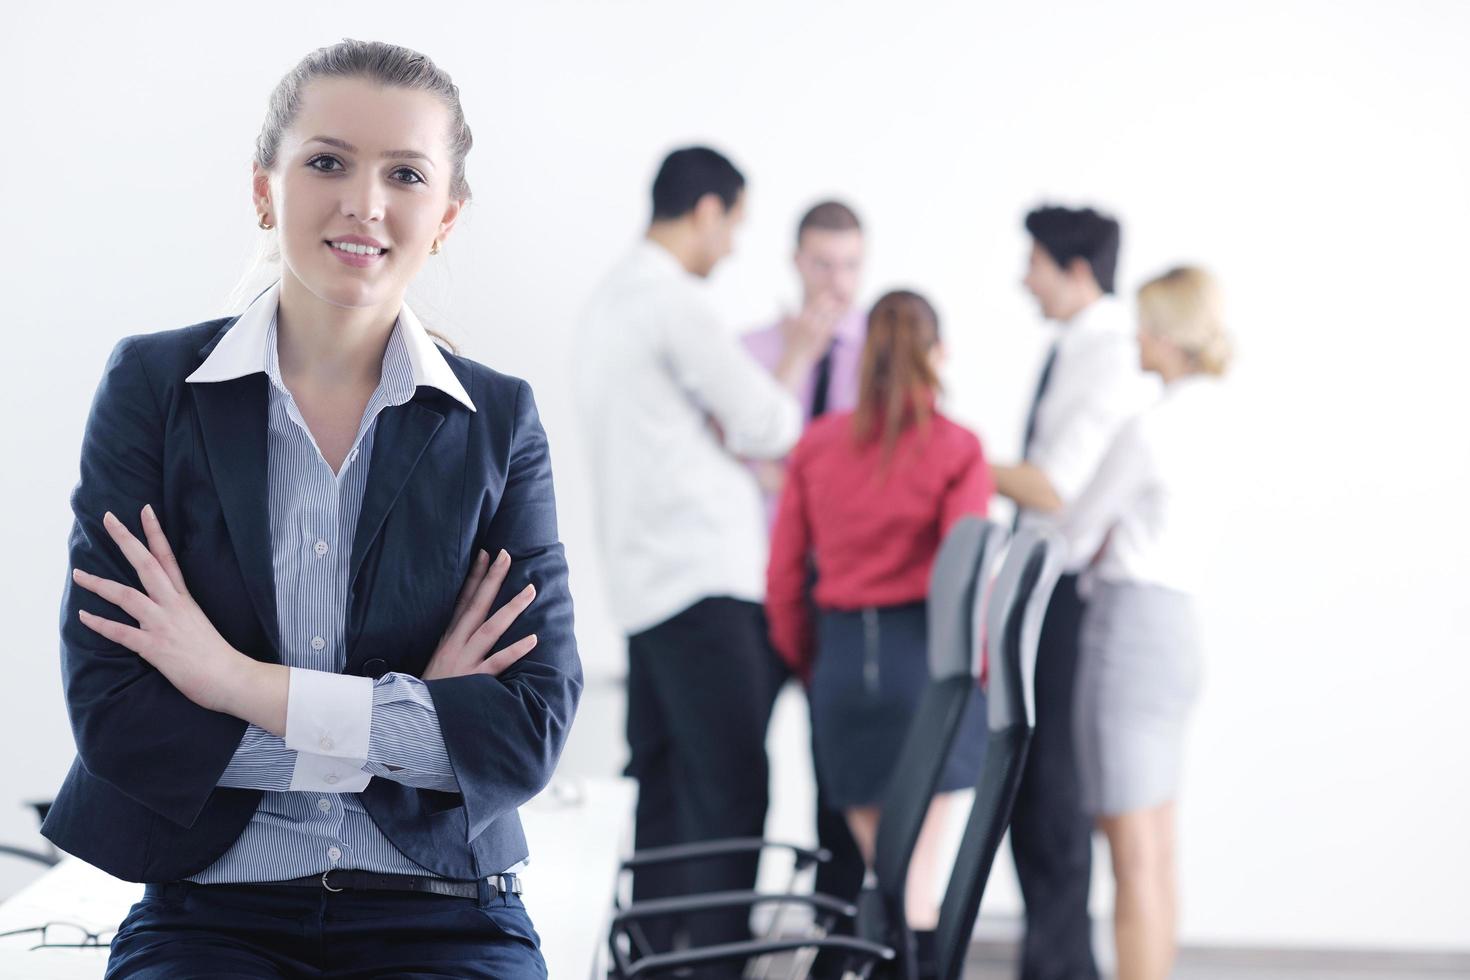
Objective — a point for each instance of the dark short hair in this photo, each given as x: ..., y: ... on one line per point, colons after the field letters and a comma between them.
x: 1068, y: 234
x: 687, y: 175
x: 828, y: 216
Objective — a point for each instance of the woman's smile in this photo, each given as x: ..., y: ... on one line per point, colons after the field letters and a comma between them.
x: 357, y: 251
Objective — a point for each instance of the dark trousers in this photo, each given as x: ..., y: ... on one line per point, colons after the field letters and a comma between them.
x: 1051, y: 838
x: 699, y: 697
x: 249, y: 931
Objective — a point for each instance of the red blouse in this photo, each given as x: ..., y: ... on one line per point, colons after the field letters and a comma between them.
x: 871, y: 531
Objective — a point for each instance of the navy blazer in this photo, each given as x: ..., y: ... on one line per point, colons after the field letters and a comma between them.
x: 140, y: 801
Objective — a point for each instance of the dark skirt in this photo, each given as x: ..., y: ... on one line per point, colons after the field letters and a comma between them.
x: 870, y: 672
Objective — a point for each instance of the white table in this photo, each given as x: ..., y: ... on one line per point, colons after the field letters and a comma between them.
x: 577, y: 830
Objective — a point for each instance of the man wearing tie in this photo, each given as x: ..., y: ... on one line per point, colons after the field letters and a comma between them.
x: 829, y: 262
x: 1090, y: 383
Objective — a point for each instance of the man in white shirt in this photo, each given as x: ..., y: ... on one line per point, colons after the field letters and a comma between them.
x: 1090, y: 385
x: 671, y: 403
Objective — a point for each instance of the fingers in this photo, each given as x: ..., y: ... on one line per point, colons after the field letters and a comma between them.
x: 500, y: 661
x: 471, y: 583
x: 158, y: 545
x: 129, y: 636
x: 485, y: 594
x: 126, y: 598
x: 150, y: 572
x: 486, y: 636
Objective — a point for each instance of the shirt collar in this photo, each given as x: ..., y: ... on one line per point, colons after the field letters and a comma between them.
x: 245, y: 349
x: 1106, y: 314
x: 654, y: 256
x: 852, y: 326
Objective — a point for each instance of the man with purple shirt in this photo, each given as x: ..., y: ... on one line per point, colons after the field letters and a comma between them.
x: 829, y: 260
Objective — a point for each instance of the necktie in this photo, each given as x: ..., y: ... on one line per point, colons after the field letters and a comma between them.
x: 1041, y: 386
x: 823, y: 383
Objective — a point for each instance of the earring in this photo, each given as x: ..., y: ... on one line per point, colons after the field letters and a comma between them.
x: 264, y: 225
x: 434, y: 248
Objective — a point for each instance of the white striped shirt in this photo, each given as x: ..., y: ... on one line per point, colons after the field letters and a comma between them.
x: 300, y: 829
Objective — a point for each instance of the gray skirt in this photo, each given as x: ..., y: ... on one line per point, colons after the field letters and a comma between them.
x: 1138, y: 675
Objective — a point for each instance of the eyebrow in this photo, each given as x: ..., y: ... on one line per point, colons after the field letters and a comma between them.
x: 387, y: 154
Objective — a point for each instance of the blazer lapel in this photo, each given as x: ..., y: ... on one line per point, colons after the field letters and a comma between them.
x: 403, y: 433
x: 233, y: 416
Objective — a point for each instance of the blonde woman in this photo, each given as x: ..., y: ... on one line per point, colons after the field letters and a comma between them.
x: 1146, y: 518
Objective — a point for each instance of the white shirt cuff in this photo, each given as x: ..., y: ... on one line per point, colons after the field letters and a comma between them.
x: 329, y: 714
x: 324, y: 774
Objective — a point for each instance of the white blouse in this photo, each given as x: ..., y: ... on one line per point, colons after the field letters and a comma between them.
x: 1151, y: 512
x: 1096, y: 387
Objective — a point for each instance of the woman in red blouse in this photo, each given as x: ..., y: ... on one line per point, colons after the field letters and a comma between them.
x: 868, y: 496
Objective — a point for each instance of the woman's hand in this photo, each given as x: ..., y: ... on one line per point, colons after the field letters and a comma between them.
x: 465, y: 646
x: 172, y: 634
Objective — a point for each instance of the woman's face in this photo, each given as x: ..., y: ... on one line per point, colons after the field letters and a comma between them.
x: 1157, y: 353
x: 361, y: 165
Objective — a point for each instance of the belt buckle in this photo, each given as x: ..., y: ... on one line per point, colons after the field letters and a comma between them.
x: 506, y: 884
x: 326, y: 884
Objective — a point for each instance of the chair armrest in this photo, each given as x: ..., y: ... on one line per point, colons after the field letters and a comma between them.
x: 726, y: 952
x: 805, y: 856
x: 680, y: 904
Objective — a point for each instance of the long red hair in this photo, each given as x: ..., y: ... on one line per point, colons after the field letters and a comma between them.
x: 898, y: 381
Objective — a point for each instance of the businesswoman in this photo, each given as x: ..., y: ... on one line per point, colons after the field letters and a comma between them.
x: 869, y: 494
x: 297, y: 718
x: 1148, y: 520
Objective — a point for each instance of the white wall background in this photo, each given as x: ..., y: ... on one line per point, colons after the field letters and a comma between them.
x: 1314, y: 154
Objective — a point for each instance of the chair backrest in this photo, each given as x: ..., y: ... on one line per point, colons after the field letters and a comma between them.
x: 956, y: 589
x: 1015, y: 612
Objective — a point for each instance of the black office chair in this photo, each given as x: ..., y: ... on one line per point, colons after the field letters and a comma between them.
x: 956, y: 595
x: 956, y: 607
x: 1013, y: 630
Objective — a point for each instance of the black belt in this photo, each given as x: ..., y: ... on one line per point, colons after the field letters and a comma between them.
x: 341, y: 879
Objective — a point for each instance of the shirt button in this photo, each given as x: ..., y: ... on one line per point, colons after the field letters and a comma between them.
x: 331, y: 778
x: 327, y: 744
x: 321, y: 547
x: 335, y: 853
x: 317, y: 642
x: 324, y: 806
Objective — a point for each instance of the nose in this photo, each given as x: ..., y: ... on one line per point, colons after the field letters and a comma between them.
x: 363, y: 198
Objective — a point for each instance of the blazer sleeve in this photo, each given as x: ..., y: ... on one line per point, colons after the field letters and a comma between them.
x: 133, y: 729
x: 504, y: 734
